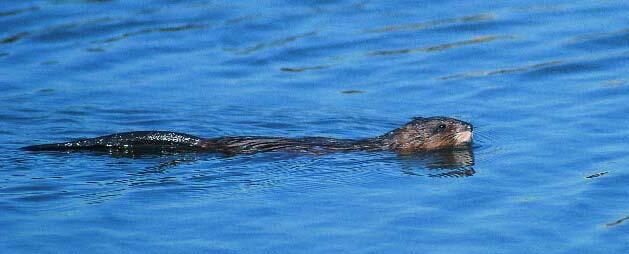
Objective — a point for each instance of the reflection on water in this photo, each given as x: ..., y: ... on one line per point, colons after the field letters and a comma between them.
x: 217, y: 176
x: 445, y: 163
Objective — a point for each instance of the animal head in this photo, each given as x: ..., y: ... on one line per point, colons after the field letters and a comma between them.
x: 432, y: 133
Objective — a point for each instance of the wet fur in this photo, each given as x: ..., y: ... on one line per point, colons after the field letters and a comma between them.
x: 421, y: 134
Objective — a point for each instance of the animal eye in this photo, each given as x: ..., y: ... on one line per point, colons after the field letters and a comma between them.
x: 440, y: 128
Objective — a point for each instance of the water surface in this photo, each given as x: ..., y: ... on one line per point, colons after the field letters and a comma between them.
x: 543, y: 82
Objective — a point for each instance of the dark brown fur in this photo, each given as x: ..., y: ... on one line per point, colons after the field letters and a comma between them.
x: 421, y: 134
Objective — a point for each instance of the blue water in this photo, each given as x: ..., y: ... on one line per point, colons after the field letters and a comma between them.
x: 544, y: 83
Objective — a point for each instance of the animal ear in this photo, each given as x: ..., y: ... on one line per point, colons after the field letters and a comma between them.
x: 418, y: 118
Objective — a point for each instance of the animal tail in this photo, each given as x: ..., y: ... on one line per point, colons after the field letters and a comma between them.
x: 144, y: 141
x: 48, y: 147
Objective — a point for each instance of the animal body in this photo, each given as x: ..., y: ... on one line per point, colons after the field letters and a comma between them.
x: 420, y: 134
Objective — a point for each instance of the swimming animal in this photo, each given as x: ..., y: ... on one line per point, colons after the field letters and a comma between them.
x: 420, y: 134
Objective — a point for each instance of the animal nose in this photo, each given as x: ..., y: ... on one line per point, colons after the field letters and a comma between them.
x: 469, y: 127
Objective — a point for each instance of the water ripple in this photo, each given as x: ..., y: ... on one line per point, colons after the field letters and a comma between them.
x: 169, y: 29
x: 15, y: 12
x: 501, y: 71
x: 434, y: 23
x: 601, y: 40
x: 302, y: 69
x: 543, y: 83
x: 13, y: 38
x: 271, y: 44
x: 558, y: 66
x: 441, y: 47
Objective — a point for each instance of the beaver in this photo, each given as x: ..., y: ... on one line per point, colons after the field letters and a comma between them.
x: 420, y: 134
